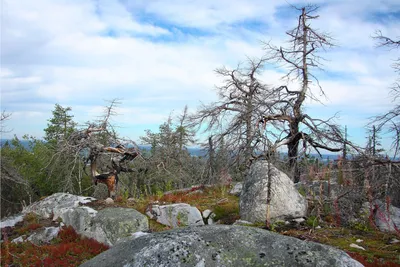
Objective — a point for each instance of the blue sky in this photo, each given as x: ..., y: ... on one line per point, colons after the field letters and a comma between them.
x: 158, y: 56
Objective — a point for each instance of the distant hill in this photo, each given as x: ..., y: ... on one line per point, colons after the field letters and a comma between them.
x: 197, y: 151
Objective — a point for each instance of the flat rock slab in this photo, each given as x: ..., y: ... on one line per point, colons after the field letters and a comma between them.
x: 220, y: 245
x: 55, y: 205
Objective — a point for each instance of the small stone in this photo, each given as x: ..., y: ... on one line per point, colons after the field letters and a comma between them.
x: 299, y: 220
x: 356, y: 246
x: 139, y: 234
x: 109, y: 201
x: 359, y: 240
x: 393, y: 241
x: 19, y: 239
x: 318, y: 227
x: 131, y: 200
x: 242, y: 222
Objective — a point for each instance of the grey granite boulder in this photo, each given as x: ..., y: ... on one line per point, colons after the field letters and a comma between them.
x: 108, y: 225
x: 286, y: 201
x: 220, y: 245
x: 176, y: 215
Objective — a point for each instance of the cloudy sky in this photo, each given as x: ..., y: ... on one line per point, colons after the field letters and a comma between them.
x: 158, y: 56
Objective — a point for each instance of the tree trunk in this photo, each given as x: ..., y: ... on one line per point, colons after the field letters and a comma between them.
x: 292, y: 154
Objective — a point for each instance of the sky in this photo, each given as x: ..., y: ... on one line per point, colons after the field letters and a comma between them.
x: 158, y: 56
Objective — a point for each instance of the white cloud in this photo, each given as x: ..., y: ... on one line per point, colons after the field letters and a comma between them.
x: 160, y: 55
x: 119, y: 19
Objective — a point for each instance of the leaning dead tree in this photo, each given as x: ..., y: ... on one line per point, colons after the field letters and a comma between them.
x: 298, y: 130
x: 96, y: 140
x: 391, y: 119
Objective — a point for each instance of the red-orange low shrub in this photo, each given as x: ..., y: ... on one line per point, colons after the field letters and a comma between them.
x: 69, y: 249
x: 374, y: 262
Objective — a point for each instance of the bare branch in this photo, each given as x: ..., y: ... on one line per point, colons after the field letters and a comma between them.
x: 4, y: 117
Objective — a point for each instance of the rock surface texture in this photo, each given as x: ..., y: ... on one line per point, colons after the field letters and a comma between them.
x: 286, y: 201
x: 220, y: 245
x: 176, y: 215
x: 108, y: 225
x: 55, y: 205
x: 236, y: 189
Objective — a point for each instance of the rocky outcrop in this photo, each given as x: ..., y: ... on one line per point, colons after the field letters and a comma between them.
x: 55, y: 205
x: 39, y: 237
x: 286, y: 202
x: 175, y: 215
x: 44, y: 235
x: 114, y: 224
x: 220, y: 245
x: 107, y: 226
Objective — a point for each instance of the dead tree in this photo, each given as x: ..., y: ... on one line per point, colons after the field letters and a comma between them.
x: 96, y: 140
x: 233, y: 119
x: 391, y: 119
x: 301, y: 58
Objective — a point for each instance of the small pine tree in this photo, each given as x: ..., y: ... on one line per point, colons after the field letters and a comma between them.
x: 60, y: 126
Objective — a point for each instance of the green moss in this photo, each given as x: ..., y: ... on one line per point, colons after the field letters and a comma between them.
x: 302, y: 190
x: 227, y: 212
x: 277, y: 225
x: 361, y: 226
x: 154, y: 226
x: 31, y: 218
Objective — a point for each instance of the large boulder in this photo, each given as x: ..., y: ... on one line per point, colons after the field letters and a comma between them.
x: 286, y: 201
x: 80, y: 218
x: 108, y: 225
x: 55, y: 205
x: 220, y: 245
x: 176, y: 215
